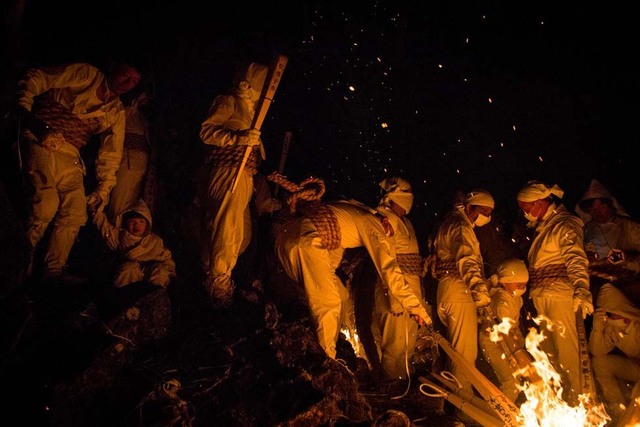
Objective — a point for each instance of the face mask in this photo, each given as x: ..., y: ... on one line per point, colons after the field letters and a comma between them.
x: 482, y: 220
x: 616, y: 323
x: 529, y: 217
x: 518, y: 292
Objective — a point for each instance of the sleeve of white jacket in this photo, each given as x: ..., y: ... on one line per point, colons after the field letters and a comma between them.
x: 39, y: 80
x: 213, y: 130
x: 109, y: 155
x: 601, y: 341
x: 570, y: 241
x: 108, y: 231
x: 380, y: 250
x: 468, y: 258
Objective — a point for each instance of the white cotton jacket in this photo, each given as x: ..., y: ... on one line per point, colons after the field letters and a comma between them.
x: 559, y: 240
x: 360, y: 227
x: 404, y: 234
x: 505, y: 304
x: 228, y: 116
x: 75, y: 86
x: 621, y: 233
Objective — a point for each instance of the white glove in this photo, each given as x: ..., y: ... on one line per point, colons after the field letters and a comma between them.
x: 250, y: 137
x: 95, y: 202
x: 582, y: 298
x: 480, y: 294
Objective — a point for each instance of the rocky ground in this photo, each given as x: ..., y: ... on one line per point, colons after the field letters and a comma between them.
x: 83, y: 354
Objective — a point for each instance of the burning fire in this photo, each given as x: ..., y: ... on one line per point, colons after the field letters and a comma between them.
x: 544, y: 406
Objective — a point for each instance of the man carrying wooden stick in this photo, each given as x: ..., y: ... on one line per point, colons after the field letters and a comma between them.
x: 228, y: 129
x: 558, y: 276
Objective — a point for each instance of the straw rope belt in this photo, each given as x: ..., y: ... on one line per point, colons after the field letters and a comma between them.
x: 231, y: 156
x: 410, y: 263
x: 446, y: 268
x: 61, y: 119
x: 304, y: 200
x: 542, y: 275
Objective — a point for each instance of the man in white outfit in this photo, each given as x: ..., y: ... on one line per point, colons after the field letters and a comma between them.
x: 227, y: 129
x: 395, y: 333
x: 616, y: 326
x: 558, y: 276
x: 462, y: 286
x: 310, y: 248
x: 135, y: 158
x: 63, y: 107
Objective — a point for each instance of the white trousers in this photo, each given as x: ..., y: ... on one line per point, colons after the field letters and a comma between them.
x: 394, y: 332
x: 461, y: 320
x: 129, y: 182
x: 57, y: 180
x: 229, y: 224
x: 562, y: 342
x: 302, y: 255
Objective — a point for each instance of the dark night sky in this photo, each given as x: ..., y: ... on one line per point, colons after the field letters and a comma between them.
x: 449, y: 94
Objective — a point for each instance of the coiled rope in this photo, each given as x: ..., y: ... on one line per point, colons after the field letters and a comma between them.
x: 304, y: 200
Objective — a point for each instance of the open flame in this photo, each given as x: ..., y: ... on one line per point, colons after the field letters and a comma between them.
x: 544, y: 406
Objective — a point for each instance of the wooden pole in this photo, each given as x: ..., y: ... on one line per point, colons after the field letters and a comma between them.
x: 587, y: 382
x: 283, y: 158
x: 268, y: 91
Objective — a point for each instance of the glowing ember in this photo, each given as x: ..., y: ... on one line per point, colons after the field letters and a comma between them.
x: 351, y: 336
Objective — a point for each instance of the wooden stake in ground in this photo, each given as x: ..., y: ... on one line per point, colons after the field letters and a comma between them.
x: 268, y: 91
x: 283, y: 158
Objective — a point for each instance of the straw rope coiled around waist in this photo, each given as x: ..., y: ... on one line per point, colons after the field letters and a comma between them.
x: 446, y: 268
x: 231, y: 156
x: 410, y: 263
x: 541, y: 275
x: 61, y: 119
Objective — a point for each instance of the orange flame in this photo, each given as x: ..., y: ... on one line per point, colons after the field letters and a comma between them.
x: 544, y: 406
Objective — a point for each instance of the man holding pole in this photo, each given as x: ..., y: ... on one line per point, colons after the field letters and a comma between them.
x: 558, y: 278
x: 229, y: 129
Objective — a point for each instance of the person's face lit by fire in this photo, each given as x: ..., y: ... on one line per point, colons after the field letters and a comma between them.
x: 137, y: 225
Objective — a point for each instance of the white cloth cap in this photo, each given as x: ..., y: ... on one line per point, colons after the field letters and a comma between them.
x: 480, y: 198
x: 535, y: 190
x: 397, y: 190
x: 598, y: 191
x: 512, y: 270
x: 255, y: 74
x: 612, y: 300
